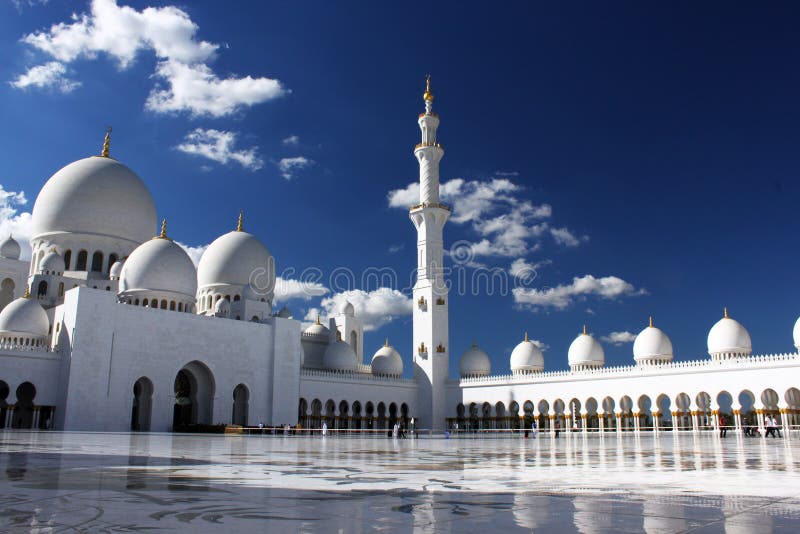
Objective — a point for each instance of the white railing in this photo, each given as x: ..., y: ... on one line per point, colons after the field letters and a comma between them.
x: 362, y: 373
x: 745, y: 362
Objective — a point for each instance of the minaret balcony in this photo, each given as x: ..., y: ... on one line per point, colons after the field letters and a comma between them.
x: 430, y: 205
x: 425, y: 145
x: 429, y: 114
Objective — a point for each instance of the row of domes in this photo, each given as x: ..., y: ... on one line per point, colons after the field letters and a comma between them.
x: 726, y: 339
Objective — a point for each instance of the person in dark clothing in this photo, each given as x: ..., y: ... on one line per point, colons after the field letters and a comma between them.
x: 557, y: 427
x: 723, y: 428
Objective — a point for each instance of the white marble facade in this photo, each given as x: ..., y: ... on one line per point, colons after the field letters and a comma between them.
x: 117, y: 330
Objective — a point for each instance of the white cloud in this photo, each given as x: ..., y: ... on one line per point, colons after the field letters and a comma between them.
x: 292, y: 140
x: 564, y: 236
x: 562, y: 296
x: 394, y: 249
x: 525, y: 269
x: 194, y: 252
x: 619, y: 338
x: 122, y: 32
x: 219, y: 146
x: 288, y: 289
x: 376, y: 308
x: 289, y: 166
x: 540, y: 344
x: 49, y: 75
x: 506, y: 224
x: 15, y: 222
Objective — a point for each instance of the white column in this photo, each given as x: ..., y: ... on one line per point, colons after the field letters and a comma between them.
x: 601, y: 423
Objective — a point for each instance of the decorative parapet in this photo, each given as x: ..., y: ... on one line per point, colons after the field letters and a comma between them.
x: 353, y: 375
x: 11, y: 347
x: 623, y: 371
x: 430, y: 205
x: 316, y: 337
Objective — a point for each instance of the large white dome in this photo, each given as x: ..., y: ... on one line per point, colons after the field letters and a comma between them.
x: 475, y: 362
x: 339, y: 356
x: 796, y: 334
x: 652, y: 344
x: 527, y: 357
x: 238, y: 258
x: 24, y: 317
x: 387, y: 361
x: 728, y: 338
x: 160, y: 264
x: 585, y: 351
x: 95, y: 195
x: 10, y: 249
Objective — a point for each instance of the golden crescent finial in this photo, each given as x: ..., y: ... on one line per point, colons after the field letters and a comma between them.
x: 106, y: 143
x: 651, y: 321
x: 387, y: 342
x: 428, y: 95
x: 239, y: 224
x: 584, y: 330
x: 725, y: 312
x: 318, y: 319
x: 163, y: 234
x: 526, y: 337
x: 27, y: 294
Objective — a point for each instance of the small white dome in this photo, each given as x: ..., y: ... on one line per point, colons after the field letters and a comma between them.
x: 348, y: 309
x: 585, y: 351
x: 238, y: 259
x: 116, y: 270
x: 10, y: 249
x: 95, y: 195
x: 526, y: 357
x: 52, y: 263
x: 475, y: 362
x: 285, y: 313
x: 728, y: 337
x: 387, y: 361
x: 317, y: 329
x: 222, y: 308
x: 339, y: 356
x: 796, y: 334
x: 26, y: 317
x: 652, y: 344
x: 159, y: 264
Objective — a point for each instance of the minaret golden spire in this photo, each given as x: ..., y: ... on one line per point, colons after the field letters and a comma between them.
x: 27, y: 294
x: 106, y: 143
x: 239, y: 224
x: 163, y: 234
x: 725, y: 312
x: 584, y: 329
x: 387, y: 342
x: 651, y: 321
x: 428, y: 95
x: 318, y: 319
x: 526, y: 337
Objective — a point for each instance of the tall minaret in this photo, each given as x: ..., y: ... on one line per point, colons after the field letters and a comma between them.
x: 430, y: 292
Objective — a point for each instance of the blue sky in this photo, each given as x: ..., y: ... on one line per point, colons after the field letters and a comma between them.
x: 642, y: 157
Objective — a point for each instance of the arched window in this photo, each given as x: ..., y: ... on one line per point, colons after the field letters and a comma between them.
x: 164, y: 304
x: 180, y: 306
x: 97, y: 262
x: 236, y: 298
x: 61, y: 289
x: 228, y: 298
x: 67, y: 259
x: 42, y: 291
x: 145, y: 302
x: 112, y: 259
x: 136, y: 302
x: 81, y: 263
x: 108, y: 288
x: 254, y: 318
x: 172, y: 305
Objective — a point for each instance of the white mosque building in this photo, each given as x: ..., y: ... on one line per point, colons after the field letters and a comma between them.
x: 110, y: 328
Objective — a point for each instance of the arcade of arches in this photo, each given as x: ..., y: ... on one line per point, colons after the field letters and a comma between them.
x: 355, y: 415
x: 645, y: 413
x: 24, y: 413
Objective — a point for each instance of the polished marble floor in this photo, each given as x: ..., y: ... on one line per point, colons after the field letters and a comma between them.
x: 75, y: 482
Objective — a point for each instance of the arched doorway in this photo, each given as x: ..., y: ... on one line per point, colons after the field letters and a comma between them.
x: 241, y: 405
x: 4, y: 391
x: 6, y: 292
x: 302, y: 413
x: 142, y: 405
x: 194, y: 396
x: 23, y: 412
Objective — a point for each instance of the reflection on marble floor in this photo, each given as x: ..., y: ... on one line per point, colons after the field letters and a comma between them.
x: 53, y: 482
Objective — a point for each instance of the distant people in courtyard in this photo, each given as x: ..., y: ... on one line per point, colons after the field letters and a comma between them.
x: 395, y: 431
x: 533, y: 428
x: 772, y: 427
x: 723, y: 429
x: 324, y: 429
x: 557, y: 427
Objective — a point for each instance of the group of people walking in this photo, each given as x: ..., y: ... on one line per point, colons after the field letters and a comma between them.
x: 771, y: 425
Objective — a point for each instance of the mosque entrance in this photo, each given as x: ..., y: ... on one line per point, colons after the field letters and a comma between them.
x: 194, y: 397
x: 142, y: 405
x: 23, y: 413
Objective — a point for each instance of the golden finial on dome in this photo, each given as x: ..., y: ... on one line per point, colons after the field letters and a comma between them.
x: 387, y: 342
x: 651, y: 321
x: 106, y: 143
x: 53, y: 249
x: 318, y: 319
x: 584, y: 329
x: 725, y: 312
x: 27, y: 293
x: 526, y: 337
x: 163, y: 234
x: 239, y: 224
x: 428, y: 95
